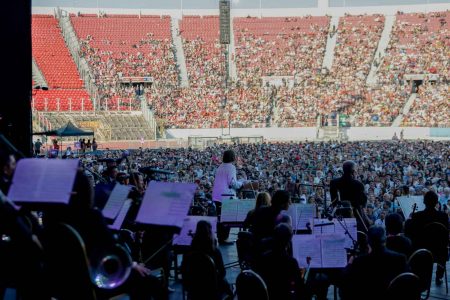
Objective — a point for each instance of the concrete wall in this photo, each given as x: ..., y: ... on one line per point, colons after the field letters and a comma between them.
x: 310, y: 133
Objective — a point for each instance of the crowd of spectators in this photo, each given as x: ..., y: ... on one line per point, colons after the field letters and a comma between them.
x: 291, y: 48
x: 113, y: 51
x: 385, y: 168
x: 430, y: 106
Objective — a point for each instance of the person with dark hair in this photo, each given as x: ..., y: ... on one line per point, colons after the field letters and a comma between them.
x: 266, y: 218
x: 205, y: 242
x: 415, y: 226
x: 347, y: 188
x: 262, y: 199
x: 279, y: 269
x: 37, y: 147
x: 376, y: 269
x: 396, y: 241
x: 225, y: 186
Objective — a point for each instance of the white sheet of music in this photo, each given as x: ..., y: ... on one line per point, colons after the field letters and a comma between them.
x: 115, y: 201
x: 337, y: 228
x: 43, y: 180
x: 333, y: 250
x: 166, y: 203
x: 121, y: 215
x: 301, y: 214
x: 323, y: 229
x: 326, y: 251
x: 189, y: 227
x: 244, y: 207
x: 304, y: 246
x: 407, y: 203
x: 229, y: 210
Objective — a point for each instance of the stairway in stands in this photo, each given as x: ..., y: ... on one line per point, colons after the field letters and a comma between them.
x: 179, y: 53
x: 381, y: 50
x: 38, y: 78
x: 331, y: 44
x: 399, y: 119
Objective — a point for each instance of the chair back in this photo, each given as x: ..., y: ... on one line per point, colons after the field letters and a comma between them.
x: 199, y: 276
x: 67, y: 263
x: 249, y: 286
x: 245, y: 249
x: 421, y: 264
x: 435, y: 237
x: 405, y: 286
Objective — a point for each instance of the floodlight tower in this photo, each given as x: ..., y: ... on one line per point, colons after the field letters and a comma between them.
x: 224, y: 18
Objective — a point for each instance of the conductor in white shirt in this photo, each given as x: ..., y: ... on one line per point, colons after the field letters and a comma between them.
x: 225, y: 186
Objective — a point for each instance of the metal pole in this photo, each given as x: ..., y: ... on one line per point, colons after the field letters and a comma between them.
x: 260, y: 9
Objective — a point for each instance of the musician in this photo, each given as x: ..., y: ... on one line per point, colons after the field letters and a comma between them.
x: 419, y: 220
x: 396, y: 241
x: 225, y: 183
x: 376, y: 269
x: 350, y: 189
x: 266, y: 218
x: 262, y: 199
x: 21, y: 255
x: 279, y: 269
x: 98, y: 238
x: 205, y: 242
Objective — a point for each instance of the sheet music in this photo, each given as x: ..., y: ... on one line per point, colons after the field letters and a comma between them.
x: 337, y: 228
x: 236, y: 210
x: 229, y: 210
x: 115, y: 201
x: 43, y: 180
x: 189, y: 227
x: 166, y: 203
x: 301, y: 214
x: 304, y: 246
x: 121, y: 215
x: 326, y: 251
x: 244, y: 207
x: 323, y: 229
x: 333, y: 251
x: 407, y: 202
x: 352, y: 229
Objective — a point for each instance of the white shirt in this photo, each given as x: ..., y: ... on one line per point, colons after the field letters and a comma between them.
x: 225, y: 181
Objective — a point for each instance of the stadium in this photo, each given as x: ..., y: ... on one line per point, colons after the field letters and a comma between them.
x: 232, y: 149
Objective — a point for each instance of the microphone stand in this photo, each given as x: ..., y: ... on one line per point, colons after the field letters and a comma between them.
x: 341, y: 221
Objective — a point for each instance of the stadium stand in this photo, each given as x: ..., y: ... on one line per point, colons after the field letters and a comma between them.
x: 55, y: 62
x: 120, y: 46
x: 289, y: 47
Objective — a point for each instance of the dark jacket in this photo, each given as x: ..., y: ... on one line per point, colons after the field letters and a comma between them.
x: 369, y: 276
x: 349, y: 189
x: 264, y: 221
x: 414, y: 229
x: 281, y: 273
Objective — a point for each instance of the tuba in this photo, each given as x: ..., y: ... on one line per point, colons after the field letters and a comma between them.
x: 112, y: 269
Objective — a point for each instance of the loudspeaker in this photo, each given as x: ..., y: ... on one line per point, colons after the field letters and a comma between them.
x: 224, y: 9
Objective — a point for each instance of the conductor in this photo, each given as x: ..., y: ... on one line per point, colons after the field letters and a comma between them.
x: 347, y: 188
